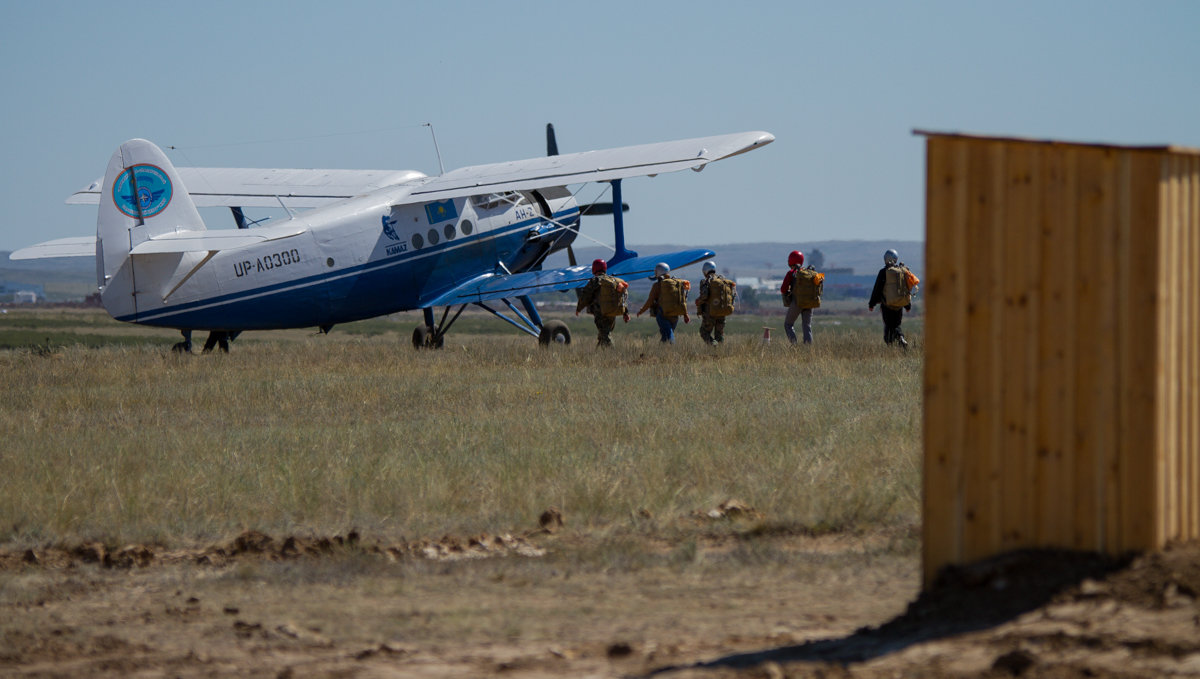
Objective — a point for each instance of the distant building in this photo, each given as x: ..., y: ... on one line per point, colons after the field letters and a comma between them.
x: 21, y: 293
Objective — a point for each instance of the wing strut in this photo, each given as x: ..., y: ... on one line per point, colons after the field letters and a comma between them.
x: 622, y: 253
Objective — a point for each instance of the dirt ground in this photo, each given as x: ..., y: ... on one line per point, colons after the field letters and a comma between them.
x: 571, y: 605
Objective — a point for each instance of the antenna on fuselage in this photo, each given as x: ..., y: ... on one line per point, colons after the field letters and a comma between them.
x: 441, y: 169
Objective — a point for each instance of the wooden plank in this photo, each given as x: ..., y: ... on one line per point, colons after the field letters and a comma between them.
x: 1095, y: 379
x: 1137, y: 278
x: 945, y: 357
x: 1054, y: 478
x: 1192, y: 451
x: 1186, y: 340
x: 1125, y: 346
x: 1019, y: 281
x: 1192, y: 412
x: 981, y: 482
x: 1168, y: 514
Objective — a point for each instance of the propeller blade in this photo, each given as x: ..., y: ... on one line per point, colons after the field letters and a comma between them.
x: 571, y: 256
x: 551, y: 142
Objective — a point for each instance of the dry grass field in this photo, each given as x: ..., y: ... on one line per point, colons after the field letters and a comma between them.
x: 343, y: 505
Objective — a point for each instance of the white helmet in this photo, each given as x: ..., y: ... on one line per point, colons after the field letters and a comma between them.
x: 661, y: 269
x: 891, y: 257
x: 708, y: 267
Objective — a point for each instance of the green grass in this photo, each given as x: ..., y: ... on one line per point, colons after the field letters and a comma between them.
x: 296, y: 432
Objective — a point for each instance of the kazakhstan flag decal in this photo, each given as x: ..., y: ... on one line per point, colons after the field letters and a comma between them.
x: 441, y: 211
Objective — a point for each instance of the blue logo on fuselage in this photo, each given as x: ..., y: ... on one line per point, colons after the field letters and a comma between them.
x: 387, y: 228
x: 153, y: 189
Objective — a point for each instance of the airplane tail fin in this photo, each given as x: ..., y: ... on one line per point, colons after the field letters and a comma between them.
x: 141, y: 197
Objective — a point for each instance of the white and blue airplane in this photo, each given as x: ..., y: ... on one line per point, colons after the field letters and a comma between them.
x: 367, y: 243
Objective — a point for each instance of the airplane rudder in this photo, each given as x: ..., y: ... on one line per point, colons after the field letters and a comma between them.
x: 141, y: 197
x: 142, y: 188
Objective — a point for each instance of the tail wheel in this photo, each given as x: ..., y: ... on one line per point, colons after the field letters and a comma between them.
x: 554, y: 332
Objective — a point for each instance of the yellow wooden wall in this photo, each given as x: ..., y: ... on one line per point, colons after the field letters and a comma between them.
x: 1062, y: 345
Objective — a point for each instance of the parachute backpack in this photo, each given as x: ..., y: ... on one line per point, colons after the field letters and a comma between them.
x: 613, y: 296
x: 720, y: 296
x: 672, y: 296
x: 807, y: 286
x: 898, y: 286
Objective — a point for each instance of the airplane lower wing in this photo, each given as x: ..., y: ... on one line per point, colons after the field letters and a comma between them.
x: 501, y: 286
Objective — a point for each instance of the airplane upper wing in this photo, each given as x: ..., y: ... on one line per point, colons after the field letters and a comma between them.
x: 262, y: 187
x: 589, y: 166
x: 248, y: 187
x: 500, y: 286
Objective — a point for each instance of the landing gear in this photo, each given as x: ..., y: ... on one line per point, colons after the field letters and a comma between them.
x: 217, y: 338
x: 184, y: 347
x: 425, y: 338
x: 432, y: 335
x: 554, y: 332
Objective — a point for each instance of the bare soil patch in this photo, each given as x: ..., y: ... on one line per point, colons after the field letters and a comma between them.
x: 771, y: 603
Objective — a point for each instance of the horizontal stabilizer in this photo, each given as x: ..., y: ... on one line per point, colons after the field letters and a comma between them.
x: 77, y: 246
x: 501, y: 286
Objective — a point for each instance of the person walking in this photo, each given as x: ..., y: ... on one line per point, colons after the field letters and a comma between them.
x: 801, y: 289
x: 667, y: 301
x: 893, y: 295
x: 605, y: 298
x: 714, y: 302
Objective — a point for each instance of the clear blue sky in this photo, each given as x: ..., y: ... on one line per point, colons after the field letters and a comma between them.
x: 348, y: 84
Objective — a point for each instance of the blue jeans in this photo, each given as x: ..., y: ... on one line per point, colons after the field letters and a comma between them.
x: 666, y: 326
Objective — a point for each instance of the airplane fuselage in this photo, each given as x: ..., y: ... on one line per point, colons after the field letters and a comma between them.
x: 359, y: 258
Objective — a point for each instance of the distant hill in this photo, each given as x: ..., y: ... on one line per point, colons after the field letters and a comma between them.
x: 73, y: 278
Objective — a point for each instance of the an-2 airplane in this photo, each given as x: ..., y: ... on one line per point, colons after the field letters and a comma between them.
x: 373, y: 243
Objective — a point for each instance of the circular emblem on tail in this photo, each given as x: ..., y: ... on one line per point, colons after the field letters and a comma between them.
x: 142, y: 191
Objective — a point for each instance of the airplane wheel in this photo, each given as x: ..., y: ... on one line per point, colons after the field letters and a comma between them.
x: 556, y: 332
x: 423, y: 338
x: 422, y: 335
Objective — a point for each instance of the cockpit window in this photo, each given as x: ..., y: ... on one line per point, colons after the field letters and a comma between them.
x: 492, y: 201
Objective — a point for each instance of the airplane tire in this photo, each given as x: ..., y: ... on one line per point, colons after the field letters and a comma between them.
x: 422, y: 337
x: 555, y: 332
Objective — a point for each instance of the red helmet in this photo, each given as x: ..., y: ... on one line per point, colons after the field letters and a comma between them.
x: 796, y: 258
x: 599, y: 266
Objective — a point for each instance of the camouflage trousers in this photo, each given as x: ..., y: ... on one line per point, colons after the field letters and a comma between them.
x: 712, y: 328
x: 604, y: 328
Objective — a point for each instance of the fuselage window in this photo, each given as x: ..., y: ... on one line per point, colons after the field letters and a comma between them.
x: 417, y: 241
x: 432, y: 236
x: 466, y: 227
x: 449, y: 231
